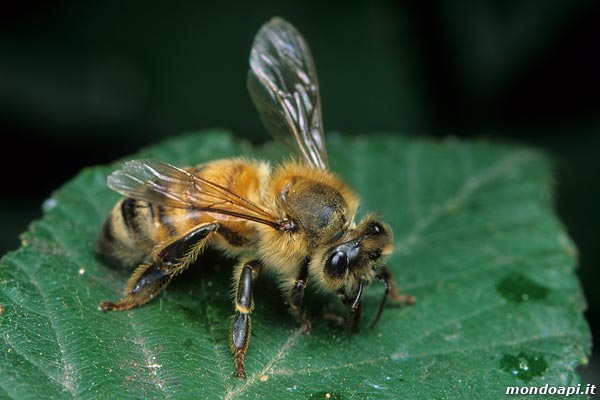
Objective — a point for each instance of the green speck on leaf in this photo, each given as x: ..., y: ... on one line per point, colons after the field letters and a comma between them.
x: 465, y: 215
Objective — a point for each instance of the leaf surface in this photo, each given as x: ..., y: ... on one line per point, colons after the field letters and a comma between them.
x: 476, y: 241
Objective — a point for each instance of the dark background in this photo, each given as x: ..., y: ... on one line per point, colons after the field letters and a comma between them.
x: 84, y: 84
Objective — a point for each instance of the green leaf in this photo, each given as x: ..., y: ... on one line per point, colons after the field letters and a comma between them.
x: 476, y: 242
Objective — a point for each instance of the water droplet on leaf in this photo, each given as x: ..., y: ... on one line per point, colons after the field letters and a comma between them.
x: 518, y: 288
x: 524, y: 366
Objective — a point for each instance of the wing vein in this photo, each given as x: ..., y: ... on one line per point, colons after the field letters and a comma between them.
x: 163, y: 184
x: 283, y: 84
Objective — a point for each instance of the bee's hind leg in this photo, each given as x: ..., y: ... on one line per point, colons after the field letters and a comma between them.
x: 147, y: 281
x: 150, y: 279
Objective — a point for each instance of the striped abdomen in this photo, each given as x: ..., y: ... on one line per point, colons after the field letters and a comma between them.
x: 134, y: 227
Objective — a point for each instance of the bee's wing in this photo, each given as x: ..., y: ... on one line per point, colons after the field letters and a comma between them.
x: 161, y: 183
x: 283, y: 85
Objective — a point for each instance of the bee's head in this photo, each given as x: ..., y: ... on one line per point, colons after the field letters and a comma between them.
x: 355, y: 258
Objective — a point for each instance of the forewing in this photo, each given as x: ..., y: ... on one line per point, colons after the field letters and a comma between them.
x: 161, y: 183
x: 153, y: 181
x: 283, y: 84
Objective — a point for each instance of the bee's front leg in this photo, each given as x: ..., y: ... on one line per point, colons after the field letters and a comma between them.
x: 351, y: 321
x: 150, y: 279
x: 240, y: 328
x: 391, y: 291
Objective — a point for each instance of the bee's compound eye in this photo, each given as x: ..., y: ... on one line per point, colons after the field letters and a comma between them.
x: 337, y: 264
x: 374, y: 229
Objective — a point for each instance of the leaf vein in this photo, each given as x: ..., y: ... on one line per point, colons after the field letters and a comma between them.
x: 68, y: 375
x: 462, y: 195
x: 287, y: 345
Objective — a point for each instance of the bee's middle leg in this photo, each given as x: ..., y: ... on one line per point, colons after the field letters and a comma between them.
x: 152, y: 278
x: 240, y: 328
x: 296, y: 297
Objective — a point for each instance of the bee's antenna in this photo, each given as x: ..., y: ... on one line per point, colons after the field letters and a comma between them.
x: 353, y: 317
x: 359, y: 294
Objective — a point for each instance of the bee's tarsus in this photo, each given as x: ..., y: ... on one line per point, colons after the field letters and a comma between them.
x: 107, y: 306
x: 351, y: 320
x: 240, y: 370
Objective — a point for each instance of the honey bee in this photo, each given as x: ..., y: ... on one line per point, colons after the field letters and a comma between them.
x: 295, y: 220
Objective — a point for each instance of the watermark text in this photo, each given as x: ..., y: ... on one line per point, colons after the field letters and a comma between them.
x: 566, y: 391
